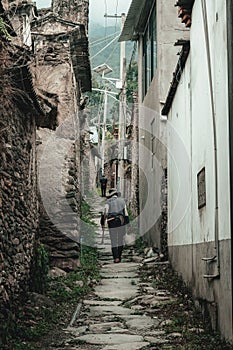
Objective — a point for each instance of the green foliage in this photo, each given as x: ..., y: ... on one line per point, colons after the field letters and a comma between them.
x: 132, y: 81
x: 4, y: 28
x: 183, y: 316
x: 40, y: 268
x: 87, y: 225
x: 65, y: 292
x: 67, y: 289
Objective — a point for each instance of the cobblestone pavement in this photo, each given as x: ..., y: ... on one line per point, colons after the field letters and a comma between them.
x: 124, y: 311
x: 117, y: 314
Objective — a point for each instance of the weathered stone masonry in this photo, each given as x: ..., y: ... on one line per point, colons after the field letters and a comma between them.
x: 22, y: 110
x: 18, y: 186
x: 61, y: 73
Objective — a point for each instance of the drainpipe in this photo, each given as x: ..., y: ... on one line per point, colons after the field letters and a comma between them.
x: 230, y: 89
x: 215, y: 258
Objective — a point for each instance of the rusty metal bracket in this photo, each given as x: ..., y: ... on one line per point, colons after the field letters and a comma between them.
x: 210, y: 259
x: 217, y: 275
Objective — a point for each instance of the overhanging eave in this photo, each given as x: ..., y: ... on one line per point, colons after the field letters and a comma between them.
x: 136, y: 19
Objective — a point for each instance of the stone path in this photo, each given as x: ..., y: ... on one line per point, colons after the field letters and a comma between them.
x: 117, y: 314
x: 121, y: 311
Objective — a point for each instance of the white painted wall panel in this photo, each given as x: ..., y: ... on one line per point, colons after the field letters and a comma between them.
x: 199, y: 139
x: 179, y: 165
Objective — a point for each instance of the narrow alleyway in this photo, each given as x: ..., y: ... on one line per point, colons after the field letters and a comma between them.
x: 126, y: 310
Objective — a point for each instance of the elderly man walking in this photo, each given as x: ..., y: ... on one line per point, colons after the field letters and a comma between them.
x: 115, y: 212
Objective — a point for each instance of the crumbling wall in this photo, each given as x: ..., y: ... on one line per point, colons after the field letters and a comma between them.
x: 18, y: 191
x: 59, y: 199
x: 53, y: 74
x: 73, y: 10
x: 59, y: 181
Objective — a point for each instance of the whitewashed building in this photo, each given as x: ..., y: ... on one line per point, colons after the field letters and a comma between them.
x: 199, y: 108
x: 156, y: 27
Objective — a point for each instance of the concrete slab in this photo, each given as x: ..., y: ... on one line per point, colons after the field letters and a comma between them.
x: 110, y: 339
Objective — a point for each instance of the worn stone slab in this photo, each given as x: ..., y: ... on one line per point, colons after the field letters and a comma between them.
x: 122, y: 274
x: 109, y: 339
x: 140, y: 323
x: 127, y: 346
x: 121, y: 331
x: 118, y: 288
x: 108, y: 310
x: 121, y: 267
x: 104, y: 327
x: 77, y: 330
x: 156, y: 340
x: 102, y: 302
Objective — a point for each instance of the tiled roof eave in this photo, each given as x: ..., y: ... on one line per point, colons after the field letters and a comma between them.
x: 176, y: 78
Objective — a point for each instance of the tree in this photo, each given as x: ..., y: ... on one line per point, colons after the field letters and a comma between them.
x: 132, y: 81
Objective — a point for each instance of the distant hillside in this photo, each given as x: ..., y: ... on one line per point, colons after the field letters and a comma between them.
x: 99, y: 37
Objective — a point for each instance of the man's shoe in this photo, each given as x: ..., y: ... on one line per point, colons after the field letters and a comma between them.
x: 117, y: 260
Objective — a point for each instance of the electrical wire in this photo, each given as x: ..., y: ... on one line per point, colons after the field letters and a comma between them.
x: 101, y: 40
x: 112, y: 53
x: 105, y: 47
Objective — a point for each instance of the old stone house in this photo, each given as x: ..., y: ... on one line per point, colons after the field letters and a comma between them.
x: 45, y: 71
x: 20, y: 113
x: 61, y: 71
x: 62, y: 74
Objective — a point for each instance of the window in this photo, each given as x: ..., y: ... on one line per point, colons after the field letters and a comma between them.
x: 201, y: 188
x: 149, y: 51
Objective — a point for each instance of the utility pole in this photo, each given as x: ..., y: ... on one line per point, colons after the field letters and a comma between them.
x: 122, y: 110
x: 122, y: 115
x: 102, y: 70
x: 104, y: 127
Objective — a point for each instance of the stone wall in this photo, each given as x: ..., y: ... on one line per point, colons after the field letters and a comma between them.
x: 59, y: 199
x: 72, y: 10
x: 59, y: 153
x: 18, y: 190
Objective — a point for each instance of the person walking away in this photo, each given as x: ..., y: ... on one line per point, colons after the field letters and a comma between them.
x: 103, y: 184
x: 117, y: 217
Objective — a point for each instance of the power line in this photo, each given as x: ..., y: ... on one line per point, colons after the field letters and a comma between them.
x: 112, y: 53
x: 106, y: 46
x: 101, y: 40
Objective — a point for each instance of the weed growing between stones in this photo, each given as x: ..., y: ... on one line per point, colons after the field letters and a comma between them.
x: 181, y: 318
x: 40, y: 320
x: 87, y: 226
x: 40, y: 269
